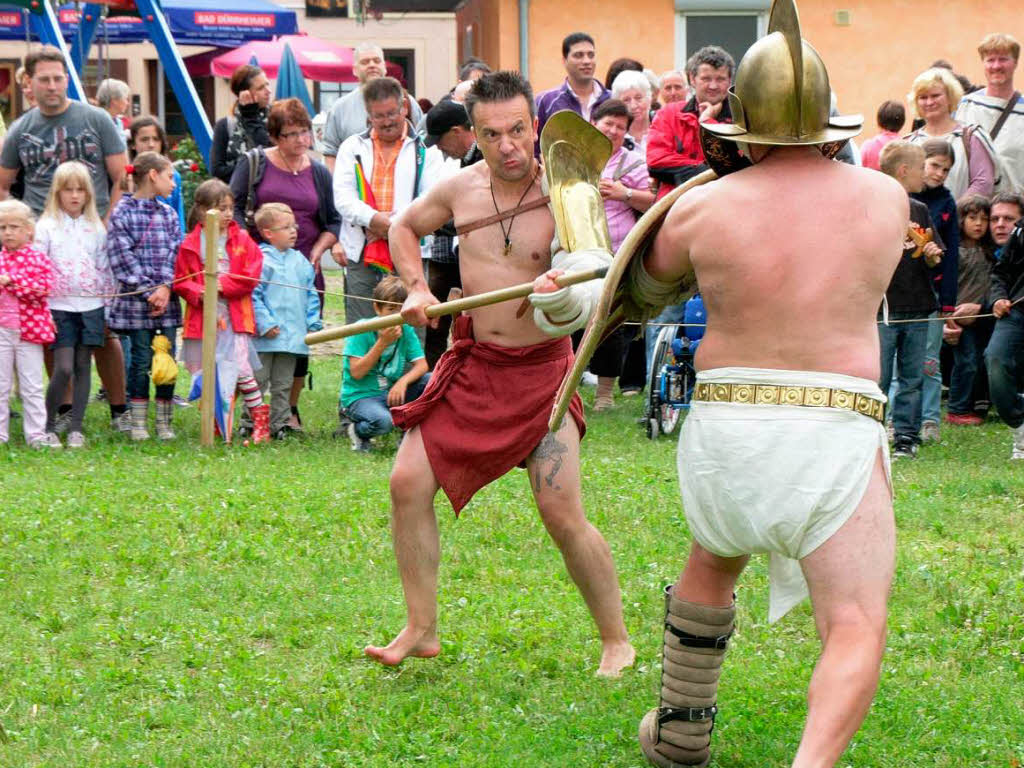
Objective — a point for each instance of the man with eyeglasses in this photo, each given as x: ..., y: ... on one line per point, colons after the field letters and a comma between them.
x: 348, y: 115
x: 389, y: 160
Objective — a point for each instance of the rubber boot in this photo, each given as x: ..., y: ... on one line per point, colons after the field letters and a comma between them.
x: 140, y: 414
x: 678, y: 732
x: 164, y: 412
x: 260, y: 423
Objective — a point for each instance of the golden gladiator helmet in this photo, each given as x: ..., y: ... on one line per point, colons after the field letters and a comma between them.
x: 781, y: 94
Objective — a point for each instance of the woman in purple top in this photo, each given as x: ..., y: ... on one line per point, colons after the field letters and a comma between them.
x: 286, y: 174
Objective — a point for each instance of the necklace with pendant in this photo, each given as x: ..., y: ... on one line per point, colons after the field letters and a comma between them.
x: 506, y: 232
x: 289, y: 165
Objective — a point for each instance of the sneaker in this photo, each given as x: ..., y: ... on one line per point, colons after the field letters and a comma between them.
x: 964, y: 419
x: 358, y: 443
x: 630, y: 391
x: 48, y: 440
x: 283, y: 433
x: 122, y: 422
x: 1018, y: 443
x: 61, y: 423
x: 341, y: 431
x: 907, y: 449
x: 181, y: 402
x: 100, y: 396
x: 244, y: 431
x: 930, y: 432
x: 76, y: 440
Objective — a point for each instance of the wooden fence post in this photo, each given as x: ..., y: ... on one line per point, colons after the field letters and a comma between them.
x: 211, y: 232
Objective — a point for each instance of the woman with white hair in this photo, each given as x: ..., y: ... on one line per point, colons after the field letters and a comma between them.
x: 634, y: 90
x: 934, y: 96
x: 114, y: 96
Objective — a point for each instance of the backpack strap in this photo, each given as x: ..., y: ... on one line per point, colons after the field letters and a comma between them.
x: 1010, y: 104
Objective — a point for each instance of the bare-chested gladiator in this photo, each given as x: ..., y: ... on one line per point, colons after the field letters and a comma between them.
x: 485, y: 410
x: 783, y: 451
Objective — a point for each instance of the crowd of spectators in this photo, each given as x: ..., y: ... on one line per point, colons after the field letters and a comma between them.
x: 951, y: 318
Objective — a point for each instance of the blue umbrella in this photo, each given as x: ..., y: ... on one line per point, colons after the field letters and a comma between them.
x: 290, y: 83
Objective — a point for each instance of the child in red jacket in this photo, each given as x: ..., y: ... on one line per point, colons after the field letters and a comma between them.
x: 26, y: 279
x: 239, y: 264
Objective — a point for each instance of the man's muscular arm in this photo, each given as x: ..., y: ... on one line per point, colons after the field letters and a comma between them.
x: 422, y: 217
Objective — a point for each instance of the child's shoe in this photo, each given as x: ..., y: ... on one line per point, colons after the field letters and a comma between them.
x: 76, y: 440
x: 260, y: 423
x: 360, y: 444
x: 48, y: 440
x: 139, y: 410
x: 164, y: 412
x: 122, y: 422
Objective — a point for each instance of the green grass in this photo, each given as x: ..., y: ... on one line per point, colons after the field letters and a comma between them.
x: 162, y: 605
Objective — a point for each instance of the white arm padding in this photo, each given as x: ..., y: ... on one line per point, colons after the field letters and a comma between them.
x: 566, y: 310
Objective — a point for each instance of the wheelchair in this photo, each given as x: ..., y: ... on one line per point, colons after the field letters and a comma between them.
x: 671, y: 377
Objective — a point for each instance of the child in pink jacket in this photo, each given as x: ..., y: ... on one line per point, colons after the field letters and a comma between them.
x: 26, y: 279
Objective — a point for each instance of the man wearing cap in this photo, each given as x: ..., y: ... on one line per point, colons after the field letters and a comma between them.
x: 783, y: 450
x: 448, y: 128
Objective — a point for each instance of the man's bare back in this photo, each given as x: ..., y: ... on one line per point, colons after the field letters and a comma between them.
x: 781, y: 294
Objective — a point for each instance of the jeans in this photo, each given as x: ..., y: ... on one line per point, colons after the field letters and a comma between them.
x: 908, y: 342
x: 968, y: 360
x: 372, y: 416
x: 141, y: 340
x: 931, y: 389
x: 1005, y: 360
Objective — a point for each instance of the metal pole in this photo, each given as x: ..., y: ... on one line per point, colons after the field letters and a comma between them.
x: 184, y: 89
x: 208, y: 399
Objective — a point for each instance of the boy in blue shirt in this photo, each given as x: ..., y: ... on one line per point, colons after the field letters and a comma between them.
x: 283, y: 314
x: 381, y: 369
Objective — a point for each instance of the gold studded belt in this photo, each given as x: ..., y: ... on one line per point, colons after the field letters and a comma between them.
x: 776, y: 394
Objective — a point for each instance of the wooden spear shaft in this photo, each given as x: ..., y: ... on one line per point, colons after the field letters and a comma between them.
x: 209, y: 349
x: 451, y: 307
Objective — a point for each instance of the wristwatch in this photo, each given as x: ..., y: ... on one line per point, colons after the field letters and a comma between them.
x: 629, y: 194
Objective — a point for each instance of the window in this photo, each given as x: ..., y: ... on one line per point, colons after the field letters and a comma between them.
x: 733, y: 31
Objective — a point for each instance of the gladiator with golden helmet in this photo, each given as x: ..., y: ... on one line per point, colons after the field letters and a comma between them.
x: 784, y: 450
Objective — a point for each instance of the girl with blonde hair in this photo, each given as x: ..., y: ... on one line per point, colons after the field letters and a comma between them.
x: 71, y: 233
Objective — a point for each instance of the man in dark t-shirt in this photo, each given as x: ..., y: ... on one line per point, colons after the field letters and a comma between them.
x: 59, y: 130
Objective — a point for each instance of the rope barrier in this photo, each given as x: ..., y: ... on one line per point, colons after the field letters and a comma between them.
x: 901, y: 321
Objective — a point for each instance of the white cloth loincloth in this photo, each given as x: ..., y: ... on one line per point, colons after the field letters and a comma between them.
x: 776, y: 478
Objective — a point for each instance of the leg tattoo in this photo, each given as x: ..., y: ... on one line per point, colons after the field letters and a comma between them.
x: 549, y: 448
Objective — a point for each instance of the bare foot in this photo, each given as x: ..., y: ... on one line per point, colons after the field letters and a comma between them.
x: 422, y: 644
x: 615, y: 657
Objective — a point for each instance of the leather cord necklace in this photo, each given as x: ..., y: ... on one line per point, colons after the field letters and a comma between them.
x: 507, y: 232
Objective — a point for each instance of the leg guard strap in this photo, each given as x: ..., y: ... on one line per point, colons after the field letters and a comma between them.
x: 691, y: 714
x: 719, y: 643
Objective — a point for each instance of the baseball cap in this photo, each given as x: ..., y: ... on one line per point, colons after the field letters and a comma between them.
x: 441, y: 118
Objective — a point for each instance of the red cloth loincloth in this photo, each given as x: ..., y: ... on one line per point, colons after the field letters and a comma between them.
x: 486, y: 408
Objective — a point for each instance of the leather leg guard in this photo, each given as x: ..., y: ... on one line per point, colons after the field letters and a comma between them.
x: 678, y: 732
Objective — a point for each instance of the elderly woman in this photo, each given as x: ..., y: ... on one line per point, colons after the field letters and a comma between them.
x: 246, y: 127
x: 114, y: 96
x: 935, y: 95
x: 285, y: 173
x: 634, y: 90
x: 625, y: 189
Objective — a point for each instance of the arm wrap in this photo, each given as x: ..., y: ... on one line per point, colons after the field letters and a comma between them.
x: 648, y: 295
x: 561, y: 312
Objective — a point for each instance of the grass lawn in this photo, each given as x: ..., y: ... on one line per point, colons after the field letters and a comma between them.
x: 162, y: 605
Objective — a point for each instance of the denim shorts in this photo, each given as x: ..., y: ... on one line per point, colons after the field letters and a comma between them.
x: 87, y: 329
